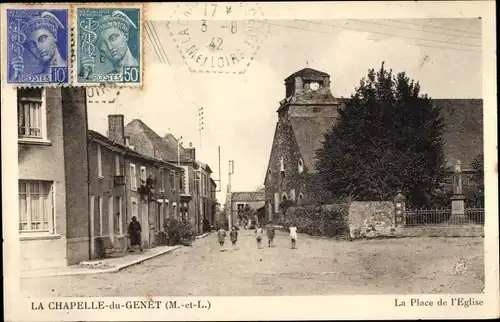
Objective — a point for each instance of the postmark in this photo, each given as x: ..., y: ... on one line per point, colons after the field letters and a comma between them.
x: 218, y: 38
x: 38, y: 46
x: 108, y: 45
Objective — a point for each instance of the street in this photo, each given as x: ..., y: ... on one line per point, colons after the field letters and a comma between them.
x: 318, y: 267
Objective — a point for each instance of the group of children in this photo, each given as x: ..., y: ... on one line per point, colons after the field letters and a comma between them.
x: 259, y: 232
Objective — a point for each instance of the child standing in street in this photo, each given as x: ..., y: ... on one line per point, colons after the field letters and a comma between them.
x: 293, y: 235
x: 258, y: 235
x: 234, y: 236
x: 222, y: 238
x: 270, y: 234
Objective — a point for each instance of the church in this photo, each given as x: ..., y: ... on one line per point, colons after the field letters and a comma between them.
x: 309, y: 110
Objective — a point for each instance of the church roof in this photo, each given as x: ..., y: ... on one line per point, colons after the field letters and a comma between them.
x: 307, y: 72
x: 463, y: 131
x: 309, y: 134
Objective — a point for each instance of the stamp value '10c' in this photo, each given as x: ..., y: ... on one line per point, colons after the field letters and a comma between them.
x: 38, y: 47
x: 109, y: 45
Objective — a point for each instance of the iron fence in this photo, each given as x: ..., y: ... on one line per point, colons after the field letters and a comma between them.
x: 418, y: 217
x: 475, y: 215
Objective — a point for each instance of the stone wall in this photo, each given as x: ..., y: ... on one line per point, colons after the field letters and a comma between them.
x: 371, y: 219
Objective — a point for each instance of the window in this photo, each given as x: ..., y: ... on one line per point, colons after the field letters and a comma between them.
x: 134, y: 207
x: 31, y: 114
x: 202, y: 183
x: 144, y: 174
x: 284, y: 197
x: 240, y: 206
x: 172, y: 180
x: 301, y: 166
x: 118, y: 165
x: 282, y: 164
x: 292, y: 194
x: 162, y: 180
x: 36, y: 206
x: 99, y: 162
x: 301, y: 196
x: 133, y: 177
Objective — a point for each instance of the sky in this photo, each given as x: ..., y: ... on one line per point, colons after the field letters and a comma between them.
x: 239, y: 110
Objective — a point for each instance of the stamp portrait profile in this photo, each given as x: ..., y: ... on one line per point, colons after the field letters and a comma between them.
x: 109, y: 45
x: 37, y: 46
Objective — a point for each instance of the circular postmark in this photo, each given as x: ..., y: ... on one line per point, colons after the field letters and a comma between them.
x: 218, y: 38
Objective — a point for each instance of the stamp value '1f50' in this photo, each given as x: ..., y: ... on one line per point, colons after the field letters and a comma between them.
x: 109, y: 45
x: 38, y: 47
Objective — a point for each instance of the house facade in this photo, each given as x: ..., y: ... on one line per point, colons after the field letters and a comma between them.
x: 194, y: 202
x: 309, y: 110
x: 240, y: 200
x: 53, y: 193
x: 125, y: 183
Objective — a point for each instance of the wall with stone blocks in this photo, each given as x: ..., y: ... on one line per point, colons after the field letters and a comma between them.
x: 371, y: 219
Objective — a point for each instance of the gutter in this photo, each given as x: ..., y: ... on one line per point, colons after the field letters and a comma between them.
x: 89, y: 140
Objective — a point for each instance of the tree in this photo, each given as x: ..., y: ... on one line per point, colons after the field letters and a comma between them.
x: 388, y: 137
x: 478, y: 179
x: 260, y: 188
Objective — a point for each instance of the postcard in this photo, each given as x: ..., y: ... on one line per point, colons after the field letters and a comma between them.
x: 249, y: 161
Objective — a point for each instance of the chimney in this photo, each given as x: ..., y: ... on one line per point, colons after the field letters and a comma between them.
x: 127, y: 140
x: 191, y: 151
x: 116, y: 128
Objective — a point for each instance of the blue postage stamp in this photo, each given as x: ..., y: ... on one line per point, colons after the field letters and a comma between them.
x: 109, y: 46
x: 38, y: 47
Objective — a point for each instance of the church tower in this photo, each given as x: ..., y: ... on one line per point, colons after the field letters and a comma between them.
x: 308, y: 94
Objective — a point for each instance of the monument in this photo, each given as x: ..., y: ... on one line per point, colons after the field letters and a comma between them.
x: 457, y: 200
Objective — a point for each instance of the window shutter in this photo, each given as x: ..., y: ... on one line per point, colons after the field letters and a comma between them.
x: 51, y: 218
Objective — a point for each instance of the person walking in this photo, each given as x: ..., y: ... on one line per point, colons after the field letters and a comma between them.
x: 221, y: 234
x: 258, y: 235
x: 293, y: 235
x: 270, y: 234
x: 234, y: 236
x: 134, y: 233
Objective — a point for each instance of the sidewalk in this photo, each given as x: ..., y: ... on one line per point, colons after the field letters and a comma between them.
x: 108, y: 265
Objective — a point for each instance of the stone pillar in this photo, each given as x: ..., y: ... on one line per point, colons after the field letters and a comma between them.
x: 400, y: 208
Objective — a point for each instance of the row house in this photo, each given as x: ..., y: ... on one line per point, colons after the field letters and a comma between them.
x: 52, y: 177
x: 196, y: 200
x: 125, y: 183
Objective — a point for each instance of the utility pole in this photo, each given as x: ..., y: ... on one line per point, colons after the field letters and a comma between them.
x: 229, y: 195
x: 200, y: 122
x: 179, y: 143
